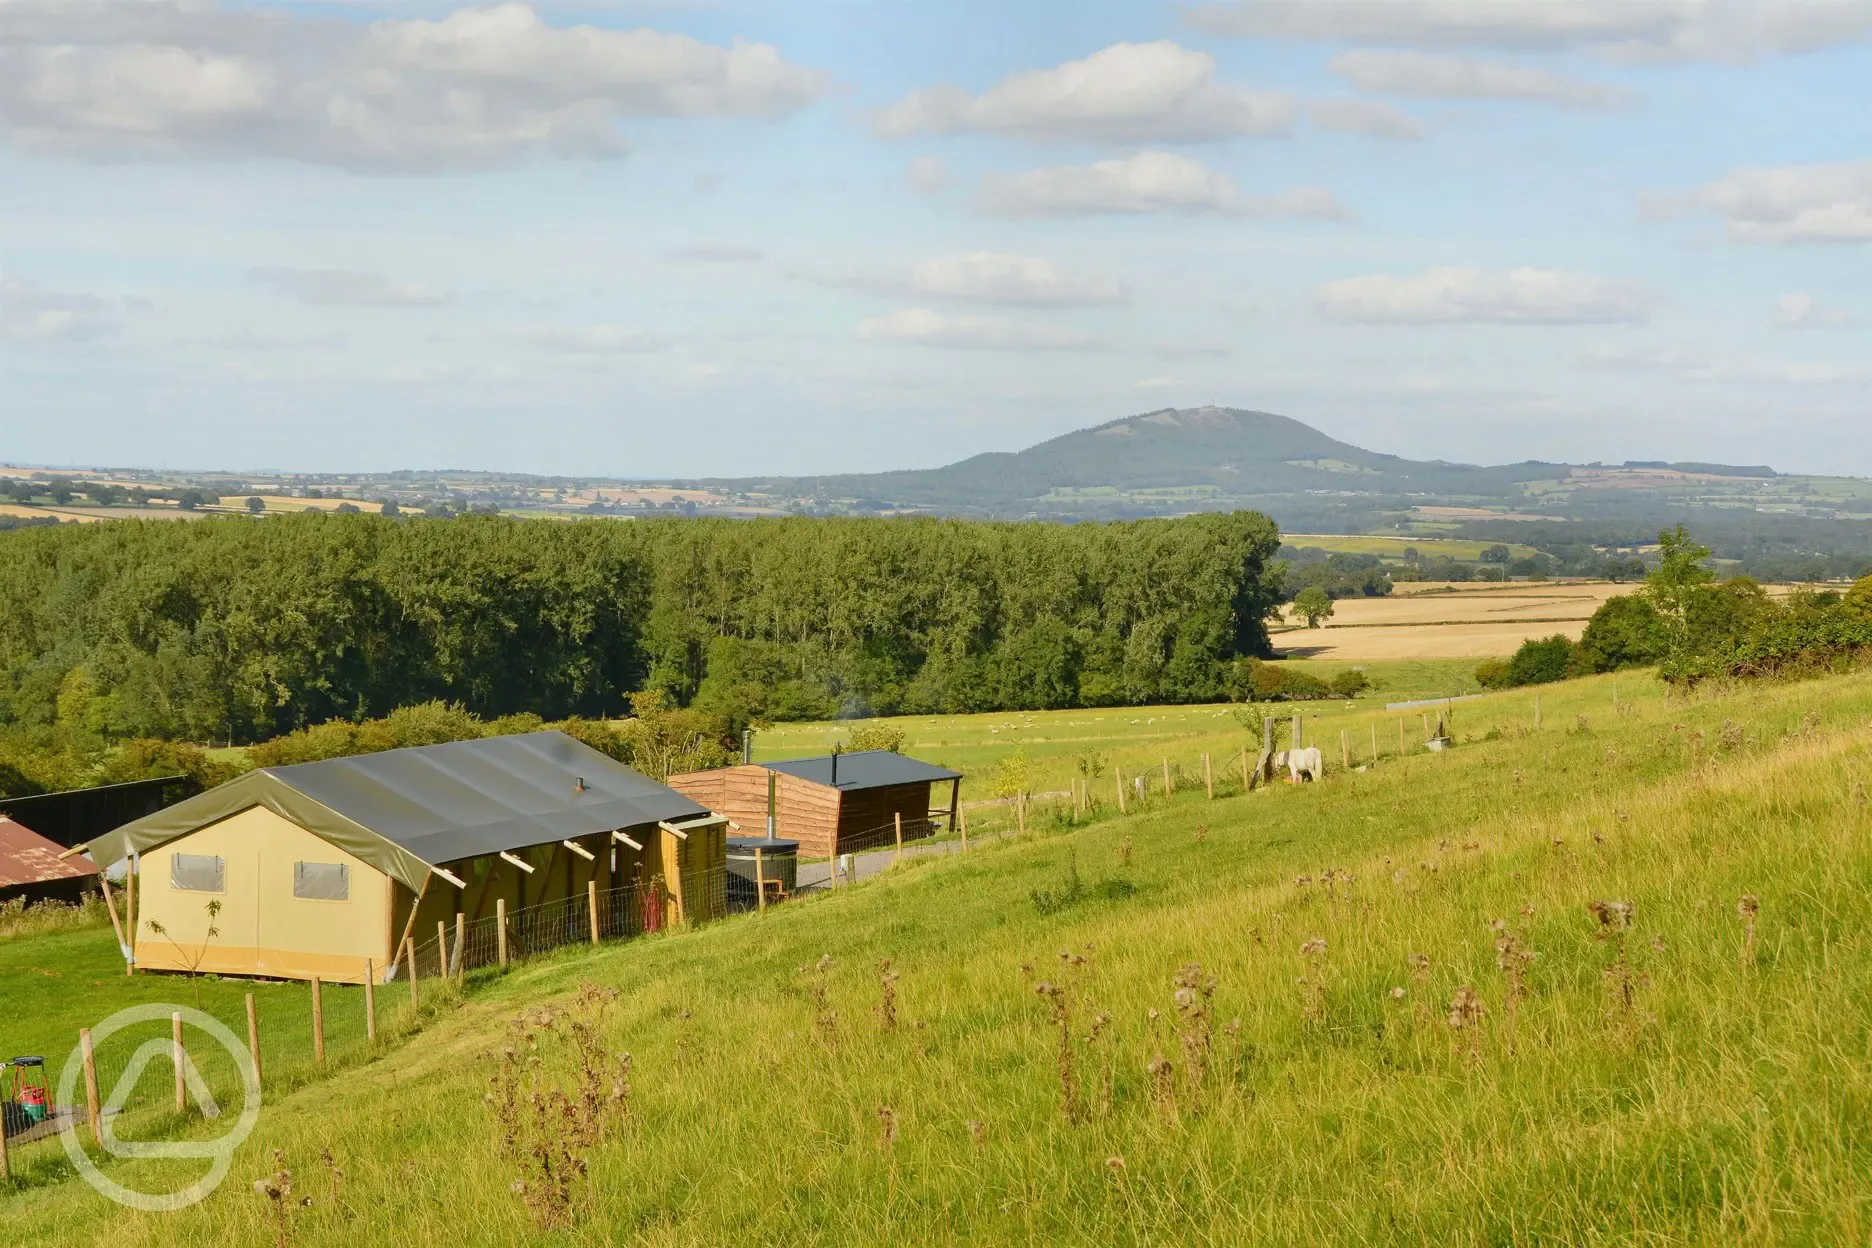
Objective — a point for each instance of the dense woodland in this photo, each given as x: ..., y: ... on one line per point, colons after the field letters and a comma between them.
x: 241, y: 630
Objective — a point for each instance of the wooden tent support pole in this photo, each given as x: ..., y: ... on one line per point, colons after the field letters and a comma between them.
x: 370, y: 1005
x: 92, y: 1109
x: 318, y: 1021
x: 180, y: 1056
x: 409, y: 947
x: 110, y: 905
x: 409, y: 924
x: 130, y: 887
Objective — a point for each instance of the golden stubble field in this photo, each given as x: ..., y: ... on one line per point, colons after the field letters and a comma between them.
x: 1444, y: 620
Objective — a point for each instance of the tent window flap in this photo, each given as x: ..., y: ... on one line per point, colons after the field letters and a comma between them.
x: 198, y: 873
x: 322, y: 881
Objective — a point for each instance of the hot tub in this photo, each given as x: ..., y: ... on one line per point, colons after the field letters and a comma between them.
x: 779, y: 861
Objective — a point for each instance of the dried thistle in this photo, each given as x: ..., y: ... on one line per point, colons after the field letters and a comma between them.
x: 1748, y: 907
x: 278, y: 1191
x: 1124, y: 854
x: 1059, y: 1002
x: 1313, y: 979
x: 1465, y: 1019
x: 819, y: 989
x: 887, y: 997
x: 1202, y: 833
x: 1196, y: 1024
x: 334, y: 1176
x: 887, y: 1127
x: 1513, y: 957
x: 978, y: 1133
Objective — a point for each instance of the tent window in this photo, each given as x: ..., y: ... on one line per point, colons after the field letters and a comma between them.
x: 198, y: 873
x: 322, y: 881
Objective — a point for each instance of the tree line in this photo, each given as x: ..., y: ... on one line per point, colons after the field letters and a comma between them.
x: 228, y: 630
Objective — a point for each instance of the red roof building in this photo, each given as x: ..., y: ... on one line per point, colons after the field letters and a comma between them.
x: 30, y: 866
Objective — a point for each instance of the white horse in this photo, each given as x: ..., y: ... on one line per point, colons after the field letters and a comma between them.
x: 1302, y: 764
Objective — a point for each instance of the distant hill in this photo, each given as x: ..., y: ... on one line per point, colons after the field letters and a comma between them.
x: 1206, y: 454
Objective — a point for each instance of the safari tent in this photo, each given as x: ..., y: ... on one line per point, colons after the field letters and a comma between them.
x: 32, y: 867
x: 831, y: 804
x: 319, y: 868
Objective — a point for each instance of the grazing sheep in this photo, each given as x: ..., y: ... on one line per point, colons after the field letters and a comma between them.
x: 1307, y: 764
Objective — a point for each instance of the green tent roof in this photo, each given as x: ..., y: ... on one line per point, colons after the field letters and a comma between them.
x: 404, y: 811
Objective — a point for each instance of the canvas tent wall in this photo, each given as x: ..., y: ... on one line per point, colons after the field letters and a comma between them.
x: 848, y: 801
x: 319, y: 866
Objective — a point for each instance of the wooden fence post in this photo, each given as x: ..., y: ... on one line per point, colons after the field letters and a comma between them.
x: 1166, y: 770
x: 1426, y: 725
x: 370, y: 1005
x: 962, y: 815
x: 6, y: 1166
x: 1374, y: 742
x: 591, y: 903
x: 1208, y: 777
x: 1020, y: 810
x: 442, y: 962
x: 1246, y: 783
x: 760, y: 882
x: 897, y: 821
x: 318, y: 1021
x: 461, y: 948
x: 409, y: 946
x: 1118, y: 780
x: 500, y: 928
x: 180, y: 1056
x: 90, y: 1095
x: 1345, y: 750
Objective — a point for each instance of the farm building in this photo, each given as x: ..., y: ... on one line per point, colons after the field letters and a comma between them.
x: 833, y: 804
x: 30, y: 867
x: 319, y: 867
x: 76, y: 816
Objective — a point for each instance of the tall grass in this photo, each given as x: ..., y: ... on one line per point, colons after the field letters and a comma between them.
x: 1601, y: 981
x: 18, y: 919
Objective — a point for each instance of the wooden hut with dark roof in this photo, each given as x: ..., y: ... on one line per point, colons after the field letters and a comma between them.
x: 835, y: 803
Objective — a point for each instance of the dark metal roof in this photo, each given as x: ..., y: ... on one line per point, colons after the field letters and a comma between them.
x: 28, y: 858
x: 404, y: 811
x: 866, y: 769
x: 469, y: 798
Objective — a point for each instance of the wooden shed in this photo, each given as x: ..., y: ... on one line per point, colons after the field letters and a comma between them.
x: 832, y: 804
x: 31, y: 867
x: 322, y: 866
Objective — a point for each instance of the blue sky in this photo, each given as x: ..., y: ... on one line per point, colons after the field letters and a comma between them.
x: 750, y: 236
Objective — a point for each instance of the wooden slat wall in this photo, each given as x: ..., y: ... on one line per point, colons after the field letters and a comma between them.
x: 866, y: 817
x: 804, y: 812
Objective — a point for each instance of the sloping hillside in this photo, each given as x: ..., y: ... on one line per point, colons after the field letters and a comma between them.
x: 1602, y: 979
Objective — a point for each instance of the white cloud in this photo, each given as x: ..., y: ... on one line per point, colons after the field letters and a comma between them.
x: 1789, y: 204
x: 1426, y: 76
x: 927, y: 174
x: 1364, y: 117
x: 1626, y: 29
x: 716, y: 253
x: 342, y: 288
x: 1144, y: 182
x: 993, y: 277
x: 478, y: 87
x: 1803, y: 311
x: 1126, y: 93
x: 1451, y: 295
x: 924, y: 328
x: 30, y: 313
x: 1691, y: 366
x: 594, y: 340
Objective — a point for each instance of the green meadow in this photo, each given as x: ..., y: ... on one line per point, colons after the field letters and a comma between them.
x: 1604, y: 978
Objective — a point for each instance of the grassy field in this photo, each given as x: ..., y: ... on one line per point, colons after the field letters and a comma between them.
x: 1392, y: 548
x: 1604, y: 979
x: 1062, y: 745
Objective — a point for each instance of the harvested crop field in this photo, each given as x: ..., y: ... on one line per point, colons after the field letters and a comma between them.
x: 1423, y: 620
